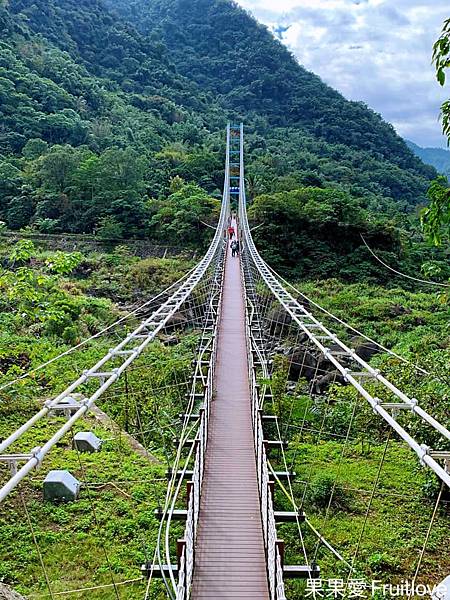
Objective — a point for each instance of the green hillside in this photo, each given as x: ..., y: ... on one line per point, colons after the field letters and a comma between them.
x: 439, y: 158
x: 223, y: 49
x: 241, y: 62
x: 113, y: 116
x: 83, y: 67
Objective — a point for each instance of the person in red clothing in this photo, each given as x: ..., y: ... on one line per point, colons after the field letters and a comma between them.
x: 231, y: 232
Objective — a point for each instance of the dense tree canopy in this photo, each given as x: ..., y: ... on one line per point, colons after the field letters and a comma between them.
x: 104, y: 105
x: 240, y: 61
x: 436, y: 216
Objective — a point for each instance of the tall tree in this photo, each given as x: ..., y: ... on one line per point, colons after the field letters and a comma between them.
x: 436, y: 217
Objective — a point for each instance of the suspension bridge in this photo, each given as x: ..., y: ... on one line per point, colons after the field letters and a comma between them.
x: 222, y: 483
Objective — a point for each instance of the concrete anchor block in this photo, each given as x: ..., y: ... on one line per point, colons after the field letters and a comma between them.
x: 61, y: 486
x: 86, y: 441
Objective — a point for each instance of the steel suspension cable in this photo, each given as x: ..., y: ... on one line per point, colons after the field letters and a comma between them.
x: 336, y: 478
x: 91, y: 588
x: 425, y: 281
x: 93, y: 337
x: 36, y: 544
x: 97, y: 523
x: 348, y: 326
x: 427, y: 537
x: 372, y: 496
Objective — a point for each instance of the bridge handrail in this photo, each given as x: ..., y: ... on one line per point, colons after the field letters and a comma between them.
x: 126, y: 352
x: 306, y: 321
x: 270, y: 538
x: 274, y: 567
x: 182, y: 588
x: 186, y: 566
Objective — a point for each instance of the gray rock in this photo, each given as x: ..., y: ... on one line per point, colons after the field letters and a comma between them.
x: 321, y: 384
x: 178, y: 321
x: 397, y: 310
x: 6, y: 593
x: 278, y: 320
x: 171, y: 340
x: 302, y: 364
x: 367, y: 350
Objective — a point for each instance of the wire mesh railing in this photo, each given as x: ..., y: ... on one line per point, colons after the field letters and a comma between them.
x: 178, y: 582
x: 286, y: 326
x: 389, y: 402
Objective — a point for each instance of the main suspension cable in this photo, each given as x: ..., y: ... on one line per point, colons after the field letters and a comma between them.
x: 425, y: 281
x: 348, y: 326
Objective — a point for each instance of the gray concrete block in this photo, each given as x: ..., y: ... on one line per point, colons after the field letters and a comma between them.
x: 62, y: 486
x: 86, y: 441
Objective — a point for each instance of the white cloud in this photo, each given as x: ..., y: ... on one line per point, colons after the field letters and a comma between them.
x: 376, y: 51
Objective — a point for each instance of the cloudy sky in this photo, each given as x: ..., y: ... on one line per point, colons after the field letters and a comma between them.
x: 377, y: 51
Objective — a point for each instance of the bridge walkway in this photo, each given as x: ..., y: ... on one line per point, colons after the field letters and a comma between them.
x: 230, y: 561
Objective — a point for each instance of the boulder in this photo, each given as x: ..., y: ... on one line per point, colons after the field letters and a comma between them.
x: 277, y: 320
x: 363, y: 348
x: 321, y: 384
x: 302, y: 364
x: 397, y: 310
x: 6, y: 593
x: 177, y: 321
x: 326, y: 365
x: 305, y: 303
x: 367, y: 350
x: 171, y: 340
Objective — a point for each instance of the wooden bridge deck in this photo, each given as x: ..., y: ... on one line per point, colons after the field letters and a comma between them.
x: 230, y: 560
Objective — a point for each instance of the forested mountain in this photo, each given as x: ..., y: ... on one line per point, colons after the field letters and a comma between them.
x: 84, y: 65
x: 113, y: 111
x: 222, y: 48
x: 218, y: 45
x: 439, y: 158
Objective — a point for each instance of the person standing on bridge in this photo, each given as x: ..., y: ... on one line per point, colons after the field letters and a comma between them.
x: 234, y: 247
x: 231, y: 232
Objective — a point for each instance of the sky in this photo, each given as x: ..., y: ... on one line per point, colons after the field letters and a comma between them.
x: 376, y: 51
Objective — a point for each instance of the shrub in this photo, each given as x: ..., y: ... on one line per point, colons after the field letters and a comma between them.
x: 22, y: 251
x: 323, y: 489
x: 109, y: 228
x: 154, y: 274
x: 63, y: 263
x: 381, y: 562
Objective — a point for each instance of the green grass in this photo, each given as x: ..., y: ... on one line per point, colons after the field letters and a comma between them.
x: 80, y: 549
x: 111, y: 529
x: 415, y: 324
x: 386, y: 544
x: 107, y: 532
x: 410, y: 322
